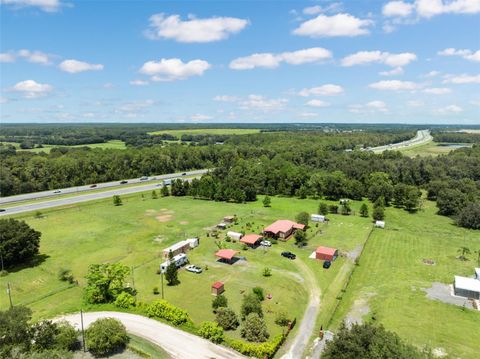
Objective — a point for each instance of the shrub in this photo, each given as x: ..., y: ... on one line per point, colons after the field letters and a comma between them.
x: 155, y: 290
x: 227, y: 319
x: 219, y: 301
x: 267, y: 272
x: 333, y: 208
x: 44, y: 334
x: 105, y: 282
x: 261, y: 350
x: 18, y: 242
x: 251, y: 304
x: 65, y: 275
x: 282, y: 319
x: 106, y: 336
x: 125, y: 300
x: 164, y: 310
x: 67, y: 336
x: 254, y: 328
x: 211, y: 331
x: 258, y: 291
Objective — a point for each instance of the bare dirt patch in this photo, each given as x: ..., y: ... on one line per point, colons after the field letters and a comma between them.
x: 444, y: 293
x: 164, y: 218
x: 150, y: 212
x: 183, y: 222
x: 359, y: 309
x: 428, y: 262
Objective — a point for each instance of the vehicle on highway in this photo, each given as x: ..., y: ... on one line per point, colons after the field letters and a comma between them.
x: 327, y: 264
x: 2, y: 209
x: 167, y: 182
x: 193, y: 268
x: 184, y: 173
x: 144, y: 178
x: 266, y: 243
x: 158, y: 185
x: 289, y: 255
x: 123, y: 182
x: 93, y: 186
x: 57, y: 191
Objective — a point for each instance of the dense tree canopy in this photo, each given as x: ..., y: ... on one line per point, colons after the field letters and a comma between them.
x: 18, y: 242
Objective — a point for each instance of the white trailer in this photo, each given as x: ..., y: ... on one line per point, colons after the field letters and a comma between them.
x: 179, y: 260
x: 380, y: 224
x: 234, y: 235
x: 193, y: 242
x: 318, y: 218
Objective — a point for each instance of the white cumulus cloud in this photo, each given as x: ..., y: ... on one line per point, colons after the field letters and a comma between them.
x: 225, y: 98
x: 393, y: 72
x: 317, y: 103
x: 397, y: 8
x: 451, y: 109
x: 174, y: 69
x: 387, y: 58
x: 45, y: 5
x: 258, y: 102
x: 200, y: 117
x: 139, y: 83
x: 32, y: 89
x: 75, y: 66
x: 461, y: 79
x: 323, y: 90
x: 193, y: 29
x: 7, y: 57
x: 430, y: 8
x: 271, y: 61
x: 336, y: 25
x: 394, y: 85
x: 437, y: 90
x: 369, y: 107
x: 465, y: 53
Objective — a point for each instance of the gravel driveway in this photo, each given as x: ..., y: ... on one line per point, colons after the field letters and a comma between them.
x: 175, y: 342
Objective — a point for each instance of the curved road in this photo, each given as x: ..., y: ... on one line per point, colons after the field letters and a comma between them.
x: 423, y: 136
x: 175, y: 342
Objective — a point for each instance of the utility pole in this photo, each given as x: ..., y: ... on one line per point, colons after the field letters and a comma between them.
x: 83, y: 330
x: 161, y: 277
x: 133, y: 278
x: 1, y: 260
x: 9, y: 295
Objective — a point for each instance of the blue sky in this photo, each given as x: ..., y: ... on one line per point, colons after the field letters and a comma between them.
x: 410, y: 61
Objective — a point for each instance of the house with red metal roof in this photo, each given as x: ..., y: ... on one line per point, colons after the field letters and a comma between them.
x: 226, y: 255
x: 251, y: 240
x: 282, y: 229
x: 326, y: 253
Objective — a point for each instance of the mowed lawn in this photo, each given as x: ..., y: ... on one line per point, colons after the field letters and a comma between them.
x: 429, y: 149
x: 207, y: 131
x: 392, y: 274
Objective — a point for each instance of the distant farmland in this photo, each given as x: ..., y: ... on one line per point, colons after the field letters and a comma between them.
x: 207, y: 131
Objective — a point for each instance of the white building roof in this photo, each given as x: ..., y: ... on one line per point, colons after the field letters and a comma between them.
x: 469, y: 284
x: 176, y: 246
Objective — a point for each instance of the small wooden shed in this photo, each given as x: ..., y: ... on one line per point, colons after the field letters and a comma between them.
x: 218, y: 288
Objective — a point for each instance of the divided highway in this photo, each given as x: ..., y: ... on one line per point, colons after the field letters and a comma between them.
x: 117, y: 189
x: 423, y: 136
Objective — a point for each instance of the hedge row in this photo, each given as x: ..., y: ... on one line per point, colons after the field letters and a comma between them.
x: 258, y: 350
x: 163, y: 309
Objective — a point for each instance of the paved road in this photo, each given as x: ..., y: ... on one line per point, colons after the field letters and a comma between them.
x: 423, y: 136
x: 177, y: 343
x: 42, y: 205
x: 297, y: 346
x: 113, y: 184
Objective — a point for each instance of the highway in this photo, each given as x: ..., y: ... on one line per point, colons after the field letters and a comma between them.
x: 117, y: 189
x: 423, y: 136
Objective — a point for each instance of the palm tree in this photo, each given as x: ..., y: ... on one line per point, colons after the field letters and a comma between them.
x: 463, y: 251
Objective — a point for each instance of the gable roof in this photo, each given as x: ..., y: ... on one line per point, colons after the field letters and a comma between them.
x: 250, y: 238
x: 217, y: 285
x: 226, y: 253
x: 283, y: 225
x: 326, y: 250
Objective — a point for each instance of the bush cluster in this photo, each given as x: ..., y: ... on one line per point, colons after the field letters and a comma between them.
x: 164, y: 310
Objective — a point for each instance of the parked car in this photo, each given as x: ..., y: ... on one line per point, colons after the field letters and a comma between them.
x: 266, y: 243
x: 144, y: 178
x: 289, y: 255
x: 123, y: 182
x: 193, y: 268
x: 327, y: 264
x: 57, y: 191
x: 93, y: 186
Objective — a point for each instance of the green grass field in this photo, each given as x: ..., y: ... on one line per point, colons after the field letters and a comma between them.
x: 391, y: 274
x: 391, y: 269
x: 428, y: 149
x: 114, y: 144
x: 208, y: 131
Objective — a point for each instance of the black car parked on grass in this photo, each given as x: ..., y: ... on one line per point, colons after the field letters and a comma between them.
x: 327, y: 264
x: 289, y: 255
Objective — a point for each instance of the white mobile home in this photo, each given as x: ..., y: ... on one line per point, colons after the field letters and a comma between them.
x: 318, y: 218
x: 380, y: 224
x: 177, y: 248
x: 193, y: 242
x: 466, y: 287
x: 179, y: 260
x: 234, y: 235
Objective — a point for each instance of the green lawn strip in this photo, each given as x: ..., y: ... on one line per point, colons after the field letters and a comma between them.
x: 391, y: 274
x: 146, y: 349
x: 207, y: 131
x: 430, y: 148
x: 112, y: 144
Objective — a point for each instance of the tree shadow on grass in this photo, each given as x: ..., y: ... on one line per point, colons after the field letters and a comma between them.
x: 35, y: 261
